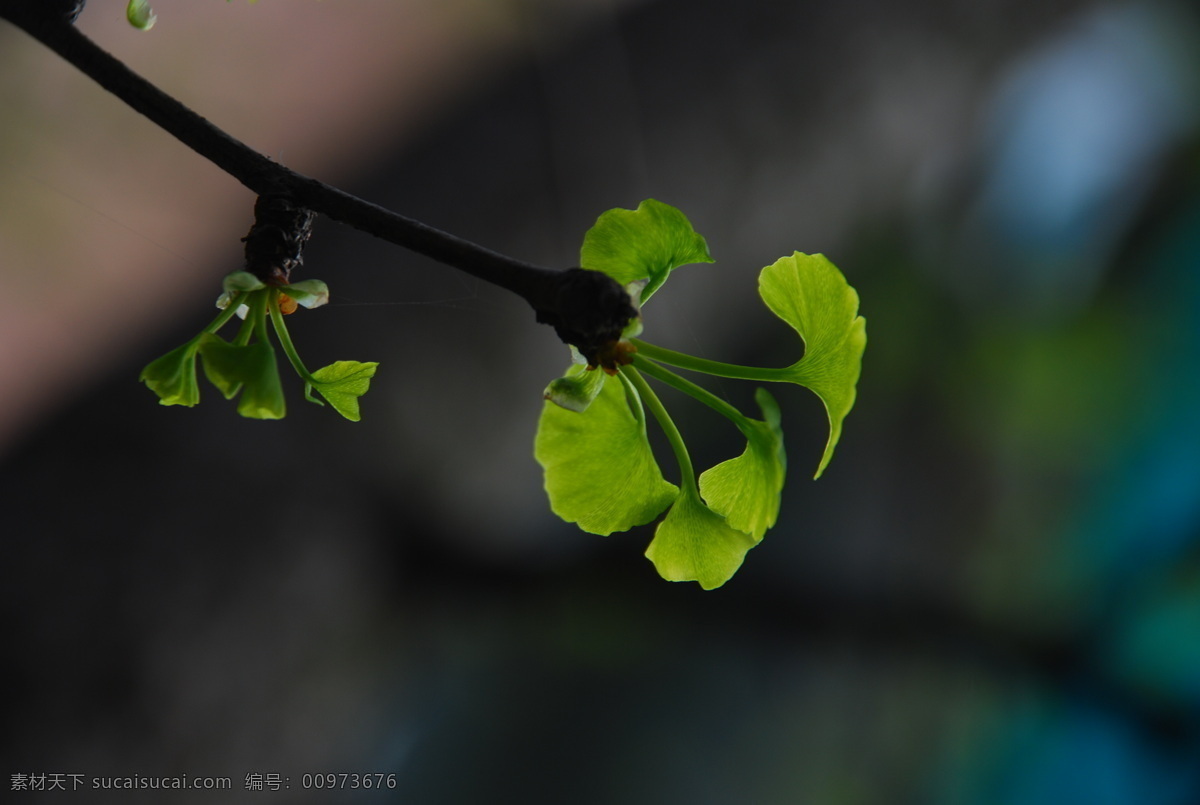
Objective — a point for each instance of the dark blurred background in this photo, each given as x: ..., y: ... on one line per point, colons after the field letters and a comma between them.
x: 992, y: 596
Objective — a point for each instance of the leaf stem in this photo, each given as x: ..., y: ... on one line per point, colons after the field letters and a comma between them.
x: 688, y: 387
x: 633, y: 400
x: 709, y: 367
x: 259, y: 313
x: 687, y: 472
x: 253, y: 300
x: 285, y: 338
x: 235, y: 301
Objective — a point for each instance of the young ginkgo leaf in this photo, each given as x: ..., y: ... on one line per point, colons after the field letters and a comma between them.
x: 810, y: 294
x: 309, y: 293
x: 140, y: 15
x: 173, y: 376
x: 746, y: 489
x: 599, y: 470
x: 241, y: 282
x: 575, y: 390
x: 694, y: 543
x: 263, y: 399
x: 250, y: 369
x: 342, y: 383
x: 223, y: 364
x: 643, y: 244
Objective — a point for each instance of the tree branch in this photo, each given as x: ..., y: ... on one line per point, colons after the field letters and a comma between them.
x: 585, y: 313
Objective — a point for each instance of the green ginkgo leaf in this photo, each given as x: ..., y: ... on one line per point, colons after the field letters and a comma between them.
x: 643, y: 244
x: 694, y: 543
x: 809, y: 293
x: 599, y: 470
x: 241, y: 282
x: 576, y: 390
x: 173, y: 376
x: 249, y: 369
x: 342, y: 383
x: 224, y: 364
x: 746, y: 489
x: 308, y: 293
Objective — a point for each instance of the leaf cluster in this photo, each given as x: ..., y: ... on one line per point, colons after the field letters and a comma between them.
x: 592, y: 441
x: 247, y: 365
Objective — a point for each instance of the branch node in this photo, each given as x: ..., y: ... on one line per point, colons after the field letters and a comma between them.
x: 590, y: 310
x: 275, y: 243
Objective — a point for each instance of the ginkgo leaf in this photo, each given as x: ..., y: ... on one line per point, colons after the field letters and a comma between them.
x: 342, y: 383
x: 249, y: 369
x: 746, y: 489
x: 308, y: 293
x: 599, y: 470
x: 223, y: 364
x: 576, y: 390
x: 241, y: 282
x: 809, y: 293
x: 238, y: 285
x: 173, y: 376
x: 694, y: 543
x: 642, y: 244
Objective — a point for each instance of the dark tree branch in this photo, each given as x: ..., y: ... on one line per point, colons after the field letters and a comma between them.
x: 585, y: 313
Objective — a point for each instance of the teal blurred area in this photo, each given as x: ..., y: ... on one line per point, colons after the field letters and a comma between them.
x: 991, y: 597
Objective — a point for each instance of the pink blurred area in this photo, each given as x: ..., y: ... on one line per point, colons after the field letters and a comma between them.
x: 109, y: 228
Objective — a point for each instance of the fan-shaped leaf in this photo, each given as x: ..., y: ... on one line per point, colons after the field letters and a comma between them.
x: 599, y: 470
x: 745, y: 490
x: 643, y: 244
x: 810, y: 294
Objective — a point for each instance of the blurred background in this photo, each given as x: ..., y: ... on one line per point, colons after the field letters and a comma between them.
x: 991, y: 596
